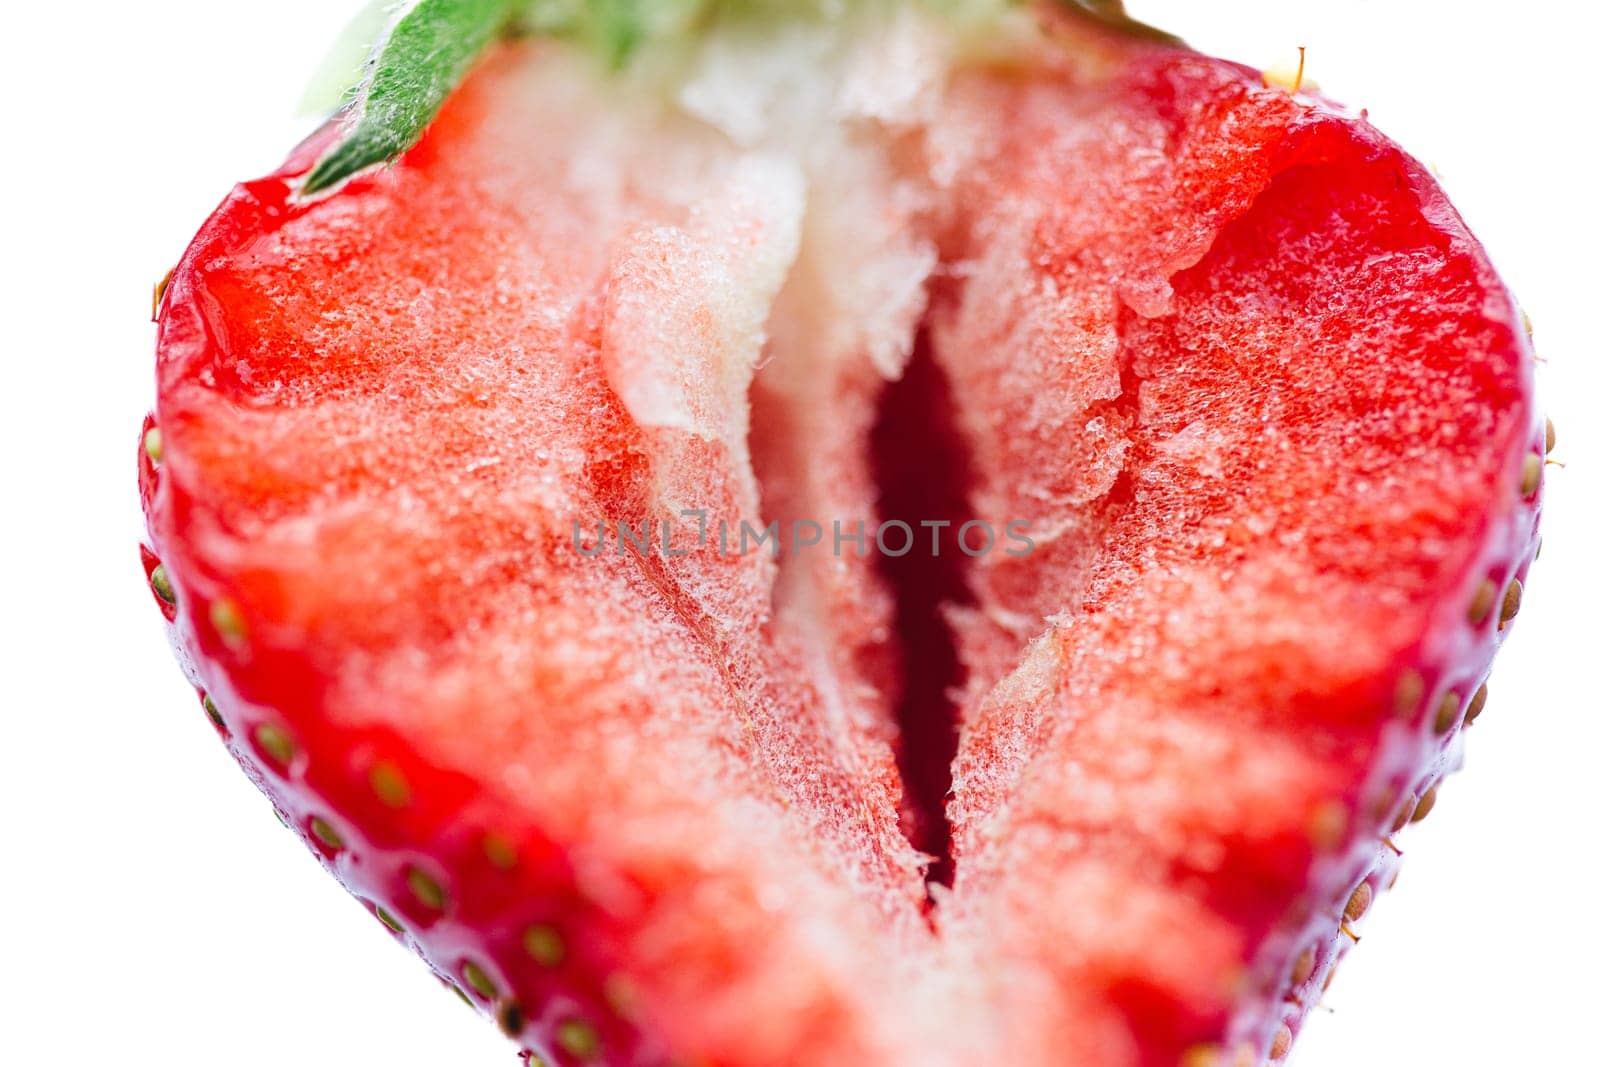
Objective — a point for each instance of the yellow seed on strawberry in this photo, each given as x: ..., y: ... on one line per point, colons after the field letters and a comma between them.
x: 1384, y: 803
x: 544, y: 944
x: 324, y: 832
x: 479, y: 981
x: 623, y: 996
x: 158, y: 292
x: 1408, y: 692
x: 1303, y: 966
x: 1282, y: 1041
x: 161, y: 584
x: 275, y: 743
x: 578, y: 1039
x: 1532, y: 473
x: 390, y: 785
x: 1445, y: 716
x: 1425, y: 805
x: 1329, y: 821
x: 228, y: 622
x: 1360, y: 900
x: 426, y: 888
x: 500, y: 852
x: 1482, y: 602
x: 1479, y: 699
x: 1512, y: 603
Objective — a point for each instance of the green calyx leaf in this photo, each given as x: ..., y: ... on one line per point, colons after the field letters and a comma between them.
x: 427, y: 51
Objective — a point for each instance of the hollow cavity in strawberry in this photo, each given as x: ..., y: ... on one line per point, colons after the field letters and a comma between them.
x: 1222, y: 416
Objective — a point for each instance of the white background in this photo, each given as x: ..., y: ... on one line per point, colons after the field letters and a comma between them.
x: 153, y: 909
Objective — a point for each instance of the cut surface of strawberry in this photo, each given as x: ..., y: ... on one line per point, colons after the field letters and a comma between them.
x: 524, y: 513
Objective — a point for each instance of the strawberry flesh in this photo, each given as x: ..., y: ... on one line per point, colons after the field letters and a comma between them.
x: 1229, y: 354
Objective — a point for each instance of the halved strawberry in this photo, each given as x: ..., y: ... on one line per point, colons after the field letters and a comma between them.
x: 1220, y: 412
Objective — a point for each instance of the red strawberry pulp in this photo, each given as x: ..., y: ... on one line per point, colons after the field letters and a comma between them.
x: 1252, y: 389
